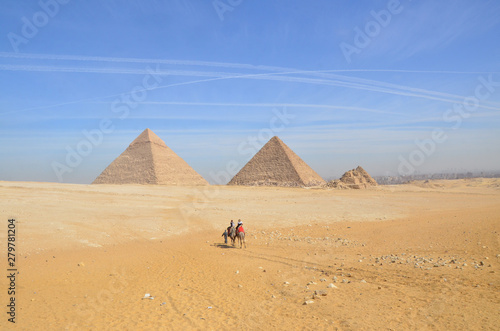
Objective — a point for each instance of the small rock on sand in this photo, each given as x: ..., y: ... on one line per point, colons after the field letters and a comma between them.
x: 321, y: 293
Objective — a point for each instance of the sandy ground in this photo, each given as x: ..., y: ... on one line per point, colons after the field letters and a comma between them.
x: 421, y: 256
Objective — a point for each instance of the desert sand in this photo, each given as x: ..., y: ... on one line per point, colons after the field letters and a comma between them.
x: 420, y: 256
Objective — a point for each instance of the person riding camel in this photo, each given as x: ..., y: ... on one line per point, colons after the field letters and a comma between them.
x: 230, y: 226
x: 239, y: 227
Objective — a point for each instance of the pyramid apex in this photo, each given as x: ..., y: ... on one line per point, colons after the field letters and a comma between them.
x: 275, y: 139
x: 148, y: 136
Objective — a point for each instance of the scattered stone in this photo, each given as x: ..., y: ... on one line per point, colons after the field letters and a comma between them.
x: 332, y: 286
x: 363, y: 281
x: 322, y: 293
x: 322, y: 280
x: 81, y: 264
x: 308, y: 302
x: 311, y: 283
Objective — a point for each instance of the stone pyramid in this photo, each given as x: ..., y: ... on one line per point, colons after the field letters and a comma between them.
x: 276, y: 165
x: 148, y: 160
x: 353, y: 179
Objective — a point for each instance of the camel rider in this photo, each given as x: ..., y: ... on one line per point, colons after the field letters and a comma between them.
x: 240, y: 224
x: 230, y: 226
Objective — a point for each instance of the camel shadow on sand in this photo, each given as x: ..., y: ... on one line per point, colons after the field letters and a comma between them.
x: 224, y: 245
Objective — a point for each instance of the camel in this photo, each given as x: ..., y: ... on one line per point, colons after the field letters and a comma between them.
x: 232, y: 234
x: 241, y: 239
x: 240, y: 235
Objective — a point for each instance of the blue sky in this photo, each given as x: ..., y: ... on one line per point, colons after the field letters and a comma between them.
x: 395, y: 86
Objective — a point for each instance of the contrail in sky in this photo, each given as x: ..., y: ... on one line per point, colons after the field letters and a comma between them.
x: 279, y: 74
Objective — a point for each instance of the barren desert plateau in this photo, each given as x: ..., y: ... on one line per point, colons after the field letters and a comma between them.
x: 419, y: 256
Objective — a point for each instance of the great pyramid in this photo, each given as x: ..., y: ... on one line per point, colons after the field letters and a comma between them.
x: 353, y: 179
x: 148, y: 160
x: 276, y: 165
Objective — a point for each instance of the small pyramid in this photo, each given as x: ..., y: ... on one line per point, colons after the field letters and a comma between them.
x: 353, y: 179
x: 276, y: 165
x: 148, y: 160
